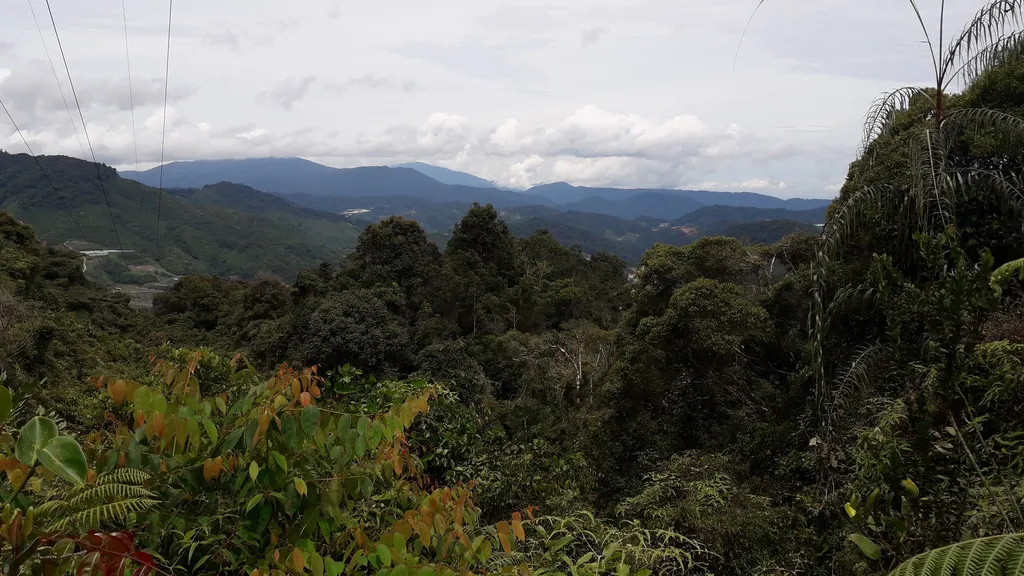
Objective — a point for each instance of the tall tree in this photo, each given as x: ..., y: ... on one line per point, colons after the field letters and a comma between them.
x: 932, y: 163
x: 396, y: 251
x: 482, y: 265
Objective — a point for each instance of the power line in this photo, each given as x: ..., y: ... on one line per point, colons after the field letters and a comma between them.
x: 55, y: 78
x: 131, y: 96
x: 45, y: 175
x: 163, y: 128
x: 99, y: 177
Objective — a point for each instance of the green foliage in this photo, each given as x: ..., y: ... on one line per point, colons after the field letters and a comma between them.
x: 197, y: 236
x: 998, y: 555
x: 686, y: 422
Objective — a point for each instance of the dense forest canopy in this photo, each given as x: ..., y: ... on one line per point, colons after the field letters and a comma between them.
x: 846, y: 402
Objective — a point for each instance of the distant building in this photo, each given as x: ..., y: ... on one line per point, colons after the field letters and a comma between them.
x: 98, y: 253
x: 355, y: 211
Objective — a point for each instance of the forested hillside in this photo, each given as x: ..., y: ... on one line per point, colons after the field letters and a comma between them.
x: 202, y: 235
x: 840, y: 403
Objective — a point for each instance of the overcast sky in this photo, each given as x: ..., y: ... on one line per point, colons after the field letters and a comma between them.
x: 631, y: 93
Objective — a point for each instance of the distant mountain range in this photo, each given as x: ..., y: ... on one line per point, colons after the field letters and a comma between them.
x: 296, y: 177
x: 225, y: 229
x: 446, y: 176
x: 235, y: 229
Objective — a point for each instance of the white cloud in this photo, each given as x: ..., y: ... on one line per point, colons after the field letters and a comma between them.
x: 592, y: 35
x: 662, y: 106
x: 287, y: 92
x: 521, y: 174
x: 761, y: 184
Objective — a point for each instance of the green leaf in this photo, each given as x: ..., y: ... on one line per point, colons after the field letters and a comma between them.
x: 402, y: 570
x: 231, y: 441
x: 157, y: 403
x: 316, y: 564
x: 360, y: 447
x: 33, y: 436
x: 871, y: 500
x: 364, y: 422
x: 300, y: 486
x: 384, y: 554
x: 221, y: 405
x: 254, y: 470
x: 279, y: 459
x: 911, y: 488
x: 866, y: 546
x: 850, y: 511
x: 253, y: 502
x: 426, y: 571
x: 250, y: 432
x: 333, y: 568
x: 484, y: 553
x: 896, y: 525
x: 211, y: 431
x: 399, y: 542
x: 6, y: 403
x: 309, y: 418
x: 289, y: 430
x: 64, y: 457
x: 142, y: 399
x: 344, y: 425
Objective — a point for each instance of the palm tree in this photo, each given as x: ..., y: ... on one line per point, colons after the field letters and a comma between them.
x: 935, y: 178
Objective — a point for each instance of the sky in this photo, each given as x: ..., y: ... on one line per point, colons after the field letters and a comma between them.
x: 623, y: 93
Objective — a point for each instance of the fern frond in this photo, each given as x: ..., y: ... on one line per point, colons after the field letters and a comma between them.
x: 107, y: 493
x: 51, y: 508
x: 849, y: 218
x: 886, y: 106
x: 986, y: 29
x: 114, y: 511
x: 124, y: 476
x: 1001, y: 276
x: 993, y: 556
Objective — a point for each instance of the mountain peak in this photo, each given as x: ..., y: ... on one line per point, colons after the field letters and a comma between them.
x: 448, y: 176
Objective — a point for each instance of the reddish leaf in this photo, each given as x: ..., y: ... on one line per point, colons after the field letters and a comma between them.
x: 144, y: 558
x: 89, y: 565
x: 517, y: 527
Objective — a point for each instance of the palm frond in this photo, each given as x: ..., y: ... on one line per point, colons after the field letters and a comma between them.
x: 987, y: 28
x: 1004, y: 49
x: 932, y: 189
x: 878, y: 120
x: 993, y: 556
x: 744, y: 34
x: 1008, y: 188
x: 856, y: 375
x: 851, y: 215
x: 979, y: 120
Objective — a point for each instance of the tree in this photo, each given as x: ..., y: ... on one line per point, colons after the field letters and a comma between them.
x: 196, y: 300
x: 396, y: 251
x: 354, y: 327
x: 482, y: 264
x: 931, y: 163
